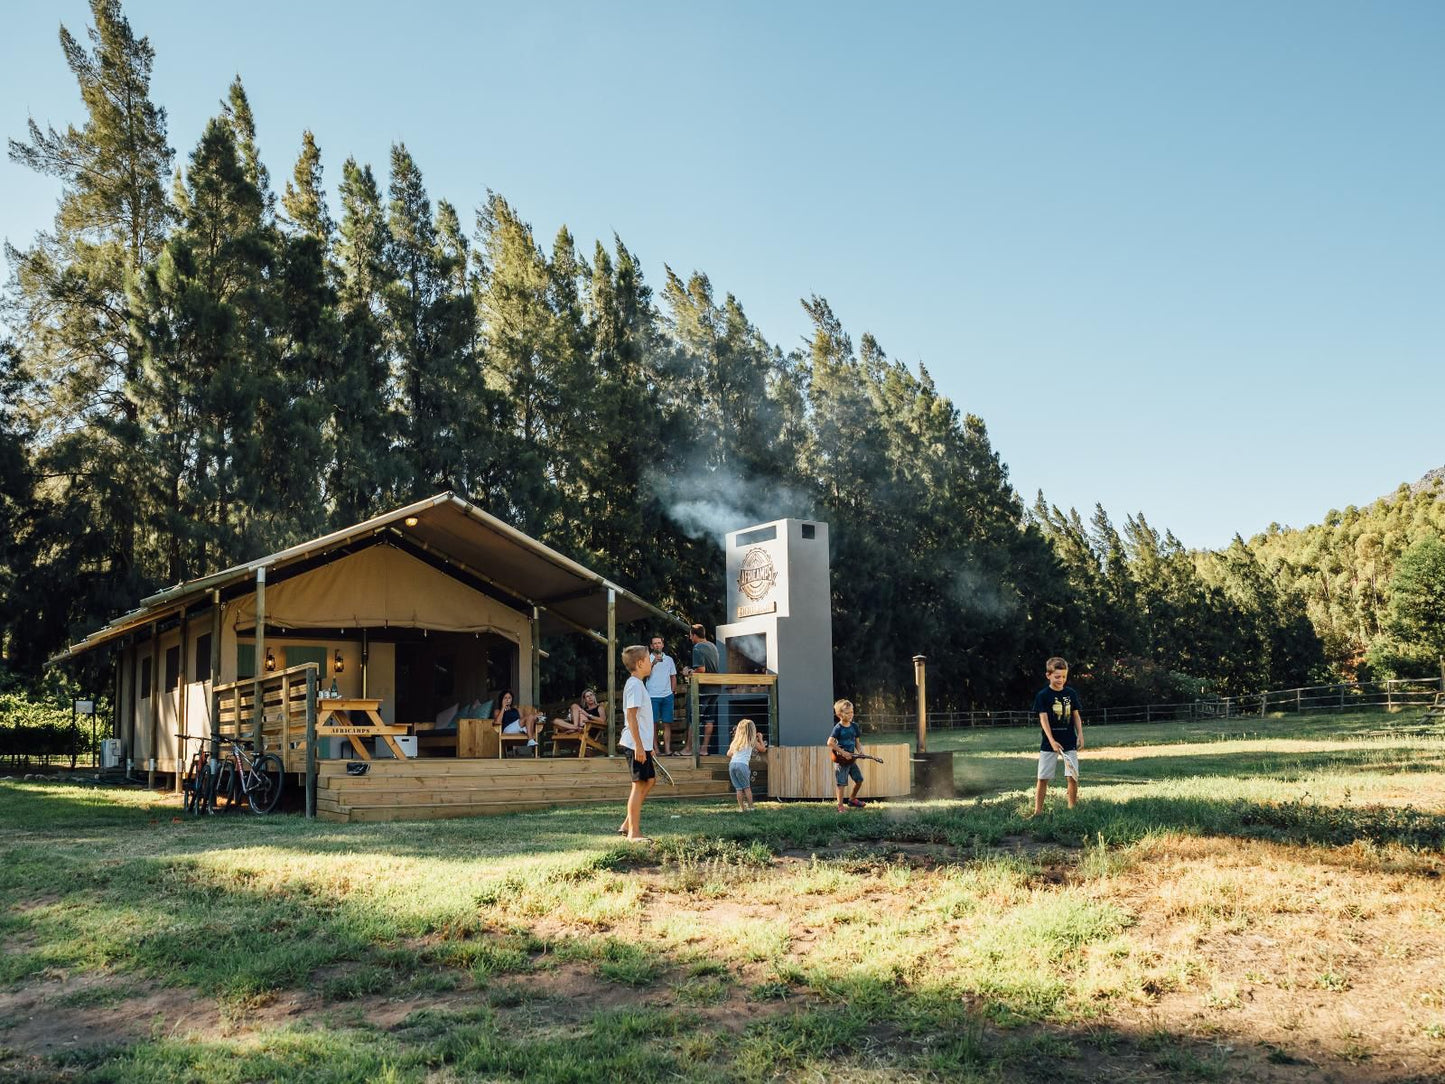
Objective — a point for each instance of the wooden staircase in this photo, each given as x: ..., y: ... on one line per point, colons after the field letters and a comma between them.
x: 431, y: 788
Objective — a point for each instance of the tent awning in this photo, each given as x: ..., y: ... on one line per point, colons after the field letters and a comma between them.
x: 454, y: 534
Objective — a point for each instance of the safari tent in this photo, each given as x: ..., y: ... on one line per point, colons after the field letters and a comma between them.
x: 423, y: 608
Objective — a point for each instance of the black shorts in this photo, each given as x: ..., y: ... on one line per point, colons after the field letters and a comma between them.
x: 642, y: 770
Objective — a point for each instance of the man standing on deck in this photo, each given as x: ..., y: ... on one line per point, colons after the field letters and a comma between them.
x: 704, y: 661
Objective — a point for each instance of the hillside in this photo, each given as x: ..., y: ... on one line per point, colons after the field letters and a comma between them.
x: 1433, y: 481
x: 1343, y: 566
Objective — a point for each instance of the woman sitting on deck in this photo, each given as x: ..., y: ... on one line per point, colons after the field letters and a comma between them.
x: 511, y: 721
x: 581, y: 714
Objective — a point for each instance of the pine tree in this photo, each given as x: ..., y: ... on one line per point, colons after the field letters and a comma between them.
x: 517, y: 330
x: 209, y: 319
x: 362, y: 430
x: 70, y: 307
x: 431, y: 335
x: 308, y: 346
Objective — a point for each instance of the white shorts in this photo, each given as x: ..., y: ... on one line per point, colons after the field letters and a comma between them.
x: 1049, y: 764
x: 514, y: 728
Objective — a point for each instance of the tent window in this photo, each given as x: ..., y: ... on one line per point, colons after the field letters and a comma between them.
x: 245, y: 661
x: 203, y: 657
x: 173, y: 667
x: 145, y: 679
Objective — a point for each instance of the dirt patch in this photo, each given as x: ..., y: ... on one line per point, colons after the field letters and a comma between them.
x: 1307, y: 963
x: 88, y: 1011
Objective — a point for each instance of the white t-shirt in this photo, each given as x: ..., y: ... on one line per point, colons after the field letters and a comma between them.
x: 659, y: 682
x: 634, y: 695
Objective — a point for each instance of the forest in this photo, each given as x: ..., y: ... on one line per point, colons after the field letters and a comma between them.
x: 203, y: 361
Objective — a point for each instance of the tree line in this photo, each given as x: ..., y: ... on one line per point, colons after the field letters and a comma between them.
x: 203, y: 366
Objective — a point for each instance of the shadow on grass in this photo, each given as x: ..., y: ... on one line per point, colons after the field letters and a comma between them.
x: 246, y: 907
x: 994, y: 774
x: 813, y: 1021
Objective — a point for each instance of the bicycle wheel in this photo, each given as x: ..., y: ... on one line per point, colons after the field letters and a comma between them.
x: 205, y: 787
x: 266, y: 781
x: 223, y: 787
x: 192, y: 786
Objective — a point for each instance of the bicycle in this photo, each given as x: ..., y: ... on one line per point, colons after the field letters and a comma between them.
x: 196, y: 787
x: 241, y: 775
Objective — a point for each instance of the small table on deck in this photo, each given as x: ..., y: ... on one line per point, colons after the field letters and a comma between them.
x: 340, y: 710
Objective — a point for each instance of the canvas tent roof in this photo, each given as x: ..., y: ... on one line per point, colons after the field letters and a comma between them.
x: 449, y: 531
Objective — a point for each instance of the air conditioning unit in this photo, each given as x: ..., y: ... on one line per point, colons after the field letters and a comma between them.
x: 112, y: 753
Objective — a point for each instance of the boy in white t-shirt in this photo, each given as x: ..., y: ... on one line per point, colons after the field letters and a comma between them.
x: 637, y: 739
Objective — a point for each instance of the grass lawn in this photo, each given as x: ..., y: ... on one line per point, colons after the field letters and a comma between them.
x: 1224, y: 904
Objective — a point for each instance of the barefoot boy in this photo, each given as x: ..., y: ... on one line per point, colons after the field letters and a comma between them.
x: 1057, y: 706
x: 637, y: 738
x: 843, y: 744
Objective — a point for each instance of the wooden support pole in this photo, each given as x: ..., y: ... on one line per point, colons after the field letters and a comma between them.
x: 536, y: 657
x: 115, y: 708
x: 183, y: 693
x: 612, y: 664
x: 215, y: 674
x: 920, y: 678
x: 155, y: 727
x: 774, y: 727
x: 310, y: 742
x: 260, y: 666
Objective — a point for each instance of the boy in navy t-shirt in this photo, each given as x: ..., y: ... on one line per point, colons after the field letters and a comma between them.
x: 1057, y: 707
x: 843, y: 744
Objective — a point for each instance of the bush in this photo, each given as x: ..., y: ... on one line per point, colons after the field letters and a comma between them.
x: 32, y: 729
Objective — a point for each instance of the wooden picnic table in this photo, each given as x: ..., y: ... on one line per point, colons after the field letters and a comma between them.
x: 345, y: 726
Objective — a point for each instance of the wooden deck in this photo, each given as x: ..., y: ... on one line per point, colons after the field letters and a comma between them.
x: 431, y: 788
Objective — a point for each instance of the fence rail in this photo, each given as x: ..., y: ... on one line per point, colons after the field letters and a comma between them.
x: 1396, y: 694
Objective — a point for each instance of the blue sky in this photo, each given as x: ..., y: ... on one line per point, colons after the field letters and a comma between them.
x: 1184, y: 259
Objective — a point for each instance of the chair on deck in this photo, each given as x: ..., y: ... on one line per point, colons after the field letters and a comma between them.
x: 592, y: 736
x: 504, y: 741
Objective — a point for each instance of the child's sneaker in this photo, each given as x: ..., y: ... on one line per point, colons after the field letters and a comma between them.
x: 856, y: 804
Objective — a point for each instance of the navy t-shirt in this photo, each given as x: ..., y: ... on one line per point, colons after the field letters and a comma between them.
x: 847, y: 736
x: 1060, y: 707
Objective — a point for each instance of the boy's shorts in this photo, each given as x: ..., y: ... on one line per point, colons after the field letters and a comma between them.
x: 843, y: 772
x: 662, y: 709
x: 642, y: 770
x: 741, y: 776
x: 1049, y: 764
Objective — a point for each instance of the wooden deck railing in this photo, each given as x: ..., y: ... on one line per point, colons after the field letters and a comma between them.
x: 717, y: 684
x: 286, y: 724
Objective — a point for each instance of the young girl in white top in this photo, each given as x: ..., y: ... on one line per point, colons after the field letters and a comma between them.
x: 746, y: 742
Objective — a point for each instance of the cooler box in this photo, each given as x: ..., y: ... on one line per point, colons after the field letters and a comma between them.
x: 407, y: 742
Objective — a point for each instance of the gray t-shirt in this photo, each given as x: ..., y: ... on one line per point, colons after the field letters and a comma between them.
x: 704, y: 654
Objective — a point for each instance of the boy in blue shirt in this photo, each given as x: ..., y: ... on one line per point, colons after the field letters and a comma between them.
x: 843, y: 744
x: 1057, y: 706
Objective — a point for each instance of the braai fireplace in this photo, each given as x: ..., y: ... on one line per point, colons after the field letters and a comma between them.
x: 780, y: 612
